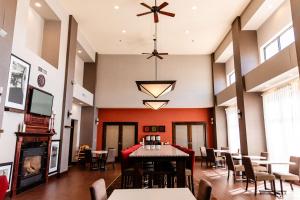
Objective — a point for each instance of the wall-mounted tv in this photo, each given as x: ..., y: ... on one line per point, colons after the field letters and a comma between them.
x: 41, y: 103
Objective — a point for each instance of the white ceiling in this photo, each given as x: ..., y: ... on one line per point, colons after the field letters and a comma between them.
x: 102, y: 25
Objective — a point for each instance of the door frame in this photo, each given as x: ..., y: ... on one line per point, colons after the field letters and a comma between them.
x: 189, y: 125
x: 120, y: 124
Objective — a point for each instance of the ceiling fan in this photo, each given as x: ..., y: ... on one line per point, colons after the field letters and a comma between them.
x: 155, y: 10
x: 155, y: 53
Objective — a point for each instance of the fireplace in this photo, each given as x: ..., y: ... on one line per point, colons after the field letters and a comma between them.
x: 33, y: 162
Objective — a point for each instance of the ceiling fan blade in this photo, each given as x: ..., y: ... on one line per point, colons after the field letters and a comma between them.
x: 163, y: 54
x: 150, y: 57
x: 159, y: 57
x: 145, y: 13
x: 167, y: 13
x: 156, y: 17
x: 143, y: 4
x: 162, y: 5
x: 147, y: 53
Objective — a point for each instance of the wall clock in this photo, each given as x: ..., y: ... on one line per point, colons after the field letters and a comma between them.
x: 41, y: 80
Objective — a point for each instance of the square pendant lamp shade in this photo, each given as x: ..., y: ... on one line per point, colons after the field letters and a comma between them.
x: 155, y: 104
x: 155, y: 88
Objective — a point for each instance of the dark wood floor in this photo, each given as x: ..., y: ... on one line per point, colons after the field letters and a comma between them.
x: 75, y: 186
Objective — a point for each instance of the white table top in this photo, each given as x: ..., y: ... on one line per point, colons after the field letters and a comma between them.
x: 100, y: 152
x: 151, y: 194
x: 161, y: 151
x: 221, y: 151
x: 270, y: 162
x: 251, y: 157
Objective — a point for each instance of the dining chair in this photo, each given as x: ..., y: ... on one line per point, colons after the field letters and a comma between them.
x: 3, y: 186
x: 203, y: 156
x: 211, y: 157
x: 232, y: 167
x: 98, y: 190
x: 292, y: 175
x: 91, y: 160
x: 204, y: 190
x: 261, y: 168
x: 110, y: 157
x: 256, y: 176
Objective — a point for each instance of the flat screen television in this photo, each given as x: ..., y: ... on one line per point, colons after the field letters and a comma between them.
x: 41, y: 103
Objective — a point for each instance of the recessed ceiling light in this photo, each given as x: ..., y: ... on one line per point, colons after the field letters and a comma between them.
x: 194, y: 8
x: 116, y: 7
x: 38, y: 4
x: 124, y: 31
x: 187, y: 31
x: 79, y: 51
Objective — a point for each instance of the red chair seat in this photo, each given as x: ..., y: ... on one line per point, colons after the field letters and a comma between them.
x: 3, y: 186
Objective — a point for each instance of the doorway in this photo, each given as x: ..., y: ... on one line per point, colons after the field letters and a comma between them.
x: 191, y: 135
x: 119, y: 135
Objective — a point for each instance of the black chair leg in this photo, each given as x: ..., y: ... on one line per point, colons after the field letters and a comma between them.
x: 193, y: 190
x: 274, y: 186
x: 292, y: 188
x: 247, y: 184
x: 228, y: 175
x: 281, y: 188
x: 265, y: 184
x: 255, y: 187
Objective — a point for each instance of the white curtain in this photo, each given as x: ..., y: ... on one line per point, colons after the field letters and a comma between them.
x: 282, y: 123
x: 233, y: 128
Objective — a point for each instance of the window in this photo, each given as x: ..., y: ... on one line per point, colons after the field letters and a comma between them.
x: 231, y: 78
x: 282, y: 123
x: 233, y: 128
x: 282, y: 41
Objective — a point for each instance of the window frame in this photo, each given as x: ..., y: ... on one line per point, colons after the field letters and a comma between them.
x: 277, y: 40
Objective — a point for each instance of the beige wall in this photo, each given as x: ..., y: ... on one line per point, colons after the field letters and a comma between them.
x: 54, y: 76
x: 117, y: 74
x: 79, y: 68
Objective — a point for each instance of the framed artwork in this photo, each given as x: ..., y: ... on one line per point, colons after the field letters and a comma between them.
x: 18, y: 78
x: 6, y: 169
x: 53, y: 164
x: 154, y: 129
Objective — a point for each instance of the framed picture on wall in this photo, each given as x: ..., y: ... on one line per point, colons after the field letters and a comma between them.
x: 18, y: 78
x: 5, y: 170
x: 53, y: 164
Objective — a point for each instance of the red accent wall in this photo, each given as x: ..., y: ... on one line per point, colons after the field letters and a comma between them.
x: 164, y: 117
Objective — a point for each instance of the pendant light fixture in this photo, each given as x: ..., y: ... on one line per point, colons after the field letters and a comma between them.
x: 156, y: 88
x: 155, y: 104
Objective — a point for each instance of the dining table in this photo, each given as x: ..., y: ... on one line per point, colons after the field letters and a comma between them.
x: 239, y: 157
x: 150, y: 194
x: 162, y: 153
x: 101, y: 152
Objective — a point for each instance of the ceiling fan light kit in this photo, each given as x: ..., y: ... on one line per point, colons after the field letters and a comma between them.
x: 3, y: 33
x: 156, y: 88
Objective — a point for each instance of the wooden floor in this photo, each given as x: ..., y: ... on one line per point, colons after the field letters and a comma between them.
x: 75, y: 186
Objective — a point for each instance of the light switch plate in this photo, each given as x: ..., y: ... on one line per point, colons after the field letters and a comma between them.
x: 3, y: 33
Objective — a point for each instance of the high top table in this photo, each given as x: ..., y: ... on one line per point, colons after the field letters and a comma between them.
x: 150, y: 194
x: 162, y: 153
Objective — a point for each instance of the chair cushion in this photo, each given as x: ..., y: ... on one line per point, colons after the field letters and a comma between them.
x: 239, y: 168
x: 219, y: 159
x: 262, y: 176
x: 259, y: 168
x: 286, y: 176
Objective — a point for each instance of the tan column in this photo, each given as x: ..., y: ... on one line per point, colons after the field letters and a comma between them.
x: 8, y: 13
x: 295, y: 8
x: 251, y: 123
x: 68, y: 95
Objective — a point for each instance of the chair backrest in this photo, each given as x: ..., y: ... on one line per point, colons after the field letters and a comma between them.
x: 111, y: 155
x: 190, y: 162
x: 3, y: 186
x: 204, y: 190
x: 295, y: 169
x: 98, y: 190
x: 203, y: 151
x: 211, y: 157
x: 229, y: 161
x: 249, y: 172
x: 88, y: 155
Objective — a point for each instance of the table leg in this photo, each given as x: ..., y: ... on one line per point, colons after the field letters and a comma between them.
x: 180, y: 171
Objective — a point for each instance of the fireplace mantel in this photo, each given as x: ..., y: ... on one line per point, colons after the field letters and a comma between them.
x: 31, y: 137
